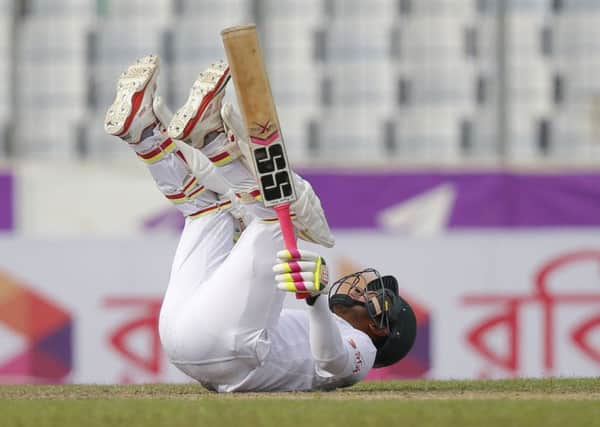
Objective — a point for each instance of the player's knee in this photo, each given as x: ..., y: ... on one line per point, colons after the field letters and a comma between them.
x: 184, y: 337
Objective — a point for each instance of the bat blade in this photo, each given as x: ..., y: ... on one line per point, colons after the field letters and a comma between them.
x: 267, y: 147
x: 255, y: 98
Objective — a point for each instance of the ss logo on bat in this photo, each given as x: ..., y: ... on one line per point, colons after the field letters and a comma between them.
x: 273, y: 173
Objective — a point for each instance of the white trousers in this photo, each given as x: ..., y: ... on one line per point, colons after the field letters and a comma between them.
x: 220, y: 299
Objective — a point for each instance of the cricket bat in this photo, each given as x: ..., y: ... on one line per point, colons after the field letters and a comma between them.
x: 267, y: 147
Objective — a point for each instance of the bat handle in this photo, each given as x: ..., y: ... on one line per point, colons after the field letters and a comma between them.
x: 289, y: 237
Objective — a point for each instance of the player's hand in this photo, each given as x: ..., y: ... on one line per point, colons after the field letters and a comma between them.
x: 304, y: 273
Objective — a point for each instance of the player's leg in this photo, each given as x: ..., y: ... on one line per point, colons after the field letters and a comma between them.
x: 223, y: 320
x: 217, y: 130
x: 203, y: 123
x: 209, y: 288
x: 218, y: 304
x: 204, y: 245
x: 138, y: 118
x: 220, y: 333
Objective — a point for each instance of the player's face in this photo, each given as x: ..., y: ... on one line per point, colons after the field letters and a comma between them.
x: 360, y: 294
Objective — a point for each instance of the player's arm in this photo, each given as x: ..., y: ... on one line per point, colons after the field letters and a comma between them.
x: 332, y: 354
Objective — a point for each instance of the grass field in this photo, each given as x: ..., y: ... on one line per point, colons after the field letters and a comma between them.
x: 548, y: 402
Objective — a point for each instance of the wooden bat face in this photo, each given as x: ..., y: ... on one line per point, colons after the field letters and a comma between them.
x: 260, y: 115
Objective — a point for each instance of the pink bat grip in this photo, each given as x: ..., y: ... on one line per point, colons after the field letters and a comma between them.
x: 289, y: 237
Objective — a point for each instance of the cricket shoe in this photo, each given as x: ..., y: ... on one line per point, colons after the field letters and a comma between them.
x: 200, y: 115
x: 131, y: 117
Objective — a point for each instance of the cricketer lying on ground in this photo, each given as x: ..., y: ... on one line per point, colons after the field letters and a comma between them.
x: 222, y: 320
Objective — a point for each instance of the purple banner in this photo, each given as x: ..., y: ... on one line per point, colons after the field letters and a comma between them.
x: 429, y: 202
x: 474, y: 200
x: 6, y: 202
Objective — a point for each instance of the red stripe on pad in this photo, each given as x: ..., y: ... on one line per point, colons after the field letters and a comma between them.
x: 196, y: 191
x: 157, y: 150
x: 180, y: 155
x: 189, y: 184
x: 175, y: 196
x: 218, y: 157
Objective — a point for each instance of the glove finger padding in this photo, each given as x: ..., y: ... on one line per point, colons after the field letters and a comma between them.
x: 302, y: 287
x: 300, y: 274
x: 294, y: 267
x: 296, y: 277
x: 302, y: 255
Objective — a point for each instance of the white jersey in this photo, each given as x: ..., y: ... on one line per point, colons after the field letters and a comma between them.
x: 289, y: 364
x: 222, y: 321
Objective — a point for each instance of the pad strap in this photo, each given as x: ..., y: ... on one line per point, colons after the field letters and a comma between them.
x: 228, y: 154
x: 191, y: 190
x: 249, y: 196
x: 156, y: 154
x: 216, y: 207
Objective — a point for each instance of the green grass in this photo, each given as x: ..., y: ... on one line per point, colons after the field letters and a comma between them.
x: 549, y: 402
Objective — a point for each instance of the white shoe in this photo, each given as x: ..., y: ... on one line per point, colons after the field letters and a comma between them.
x: 162, y: 112
x: 200, y: 115
x: 131, y: 117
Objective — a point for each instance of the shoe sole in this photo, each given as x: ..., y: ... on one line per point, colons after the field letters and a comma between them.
x: 206, y: 88
x: 131, y: 87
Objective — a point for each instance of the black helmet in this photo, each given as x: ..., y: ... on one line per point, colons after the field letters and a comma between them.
x: 385, y: 307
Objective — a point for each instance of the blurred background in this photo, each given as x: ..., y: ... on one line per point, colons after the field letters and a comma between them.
x: 454, y: 144
x: 393, y: 81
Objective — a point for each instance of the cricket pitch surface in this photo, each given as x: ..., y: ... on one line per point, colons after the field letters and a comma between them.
x: 521, y: 402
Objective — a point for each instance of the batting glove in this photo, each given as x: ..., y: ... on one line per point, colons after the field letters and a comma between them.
x: 306, y: 272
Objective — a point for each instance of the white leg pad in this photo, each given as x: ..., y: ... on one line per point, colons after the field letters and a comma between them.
x: 203, y: 169
x: 208, y: 175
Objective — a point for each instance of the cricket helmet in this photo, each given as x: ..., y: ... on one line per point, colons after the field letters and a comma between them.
x: 386, y: 308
